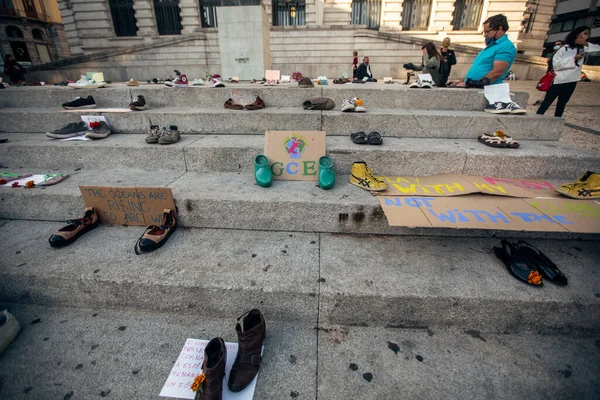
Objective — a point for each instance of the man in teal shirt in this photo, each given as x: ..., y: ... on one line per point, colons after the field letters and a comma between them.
x: 493, y: 63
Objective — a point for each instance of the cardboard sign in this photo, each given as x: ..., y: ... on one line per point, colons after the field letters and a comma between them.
x: 294, y: 155
x: 244, y: 96
x: 128, y: 205
x: 189, y: 365
x: 458, y: 185
x: 477, y: 211
x: 272, y: 74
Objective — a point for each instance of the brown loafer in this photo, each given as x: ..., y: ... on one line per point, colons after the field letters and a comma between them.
x: 257, y: 105
x: 210, y: 386
x: 233, y: 106
x: 156, y: 235
x: 76, y: 228
x: 251, y: 335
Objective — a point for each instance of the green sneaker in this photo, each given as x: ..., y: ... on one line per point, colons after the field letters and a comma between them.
x: 326, y: 173
x: 169, y: 136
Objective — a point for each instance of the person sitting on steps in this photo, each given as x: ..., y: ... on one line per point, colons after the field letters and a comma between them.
x: 431, y: 63
x: 364, y: 71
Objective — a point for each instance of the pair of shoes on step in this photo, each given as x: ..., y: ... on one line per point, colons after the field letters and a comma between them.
x: 153, y: 238
x: 99, y: 130
x: 528, y: 264
x: 251, y: 330
x: 164, y: 135
x: 353, y: 105
x: 263, y: 173
x: 256, y: 105
x: 373, y: 138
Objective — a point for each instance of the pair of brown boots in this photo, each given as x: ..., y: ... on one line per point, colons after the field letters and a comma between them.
x: 251, y: 331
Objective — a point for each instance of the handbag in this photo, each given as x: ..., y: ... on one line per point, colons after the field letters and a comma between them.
x: 544, y: 84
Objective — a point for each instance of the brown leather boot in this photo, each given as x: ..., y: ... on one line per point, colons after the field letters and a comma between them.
x: 213, y: 368
x: 251, y: 335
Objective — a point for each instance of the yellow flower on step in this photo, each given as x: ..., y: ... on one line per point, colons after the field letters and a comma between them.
x: 499, y: 134
x: 197, y: 384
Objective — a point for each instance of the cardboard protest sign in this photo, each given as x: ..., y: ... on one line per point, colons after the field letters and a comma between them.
x: 272, y: 74
x: 243, y: 96
x: 128, y: 205
x: 294, y: 155
x: 574, y: 215
x: 457, y: 185
x: 189, y: 365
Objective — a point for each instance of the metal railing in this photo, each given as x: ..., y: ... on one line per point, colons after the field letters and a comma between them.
x: 366, y: 12
x: 467, y: 14
x: 123, y: 17
x: 168, y: 17
x: 415, y: 14
x: 289, y: 13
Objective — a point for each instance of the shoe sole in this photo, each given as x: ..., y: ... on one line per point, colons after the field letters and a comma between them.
x: 137, y: 108
x: 577, y: 197
x: 519, y: 112
x: 91, y: 135
x: 159, y: 142
x: 368, y: 189
x: 345, y: 109
x: 497, y: 111
x: 80, y: 107
x: 65, y: 136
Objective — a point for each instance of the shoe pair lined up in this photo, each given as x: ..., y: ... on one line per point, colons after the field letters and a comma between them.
x: 99, y: 130
x: 353, y: 105
x: 164, y: 135
x: 264, y: 175
x: 153, y: 237
x: 88, y: 103
x: 256, y: 105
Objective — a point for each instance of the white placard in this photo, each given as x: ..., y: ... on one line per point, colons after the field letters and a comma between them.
x: 189, y: 365
x: 425, y: 77
x: 499, y: 92
x: 285, y: 79
x: 93, y: 118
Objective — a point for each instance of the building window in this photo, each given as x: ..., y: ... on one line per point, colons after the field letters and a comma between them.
x: 366, y: 12
x: 30, y: 9
x: 566, y: 26
x: 467, y: 14
x: 168, y: 17
x: 415, y: 14
x: 208, y: 14
x: 13, y: 32
x: 288, y: 13
x: 123, y: 17
x: 7, y: 8
x: 38, y: 34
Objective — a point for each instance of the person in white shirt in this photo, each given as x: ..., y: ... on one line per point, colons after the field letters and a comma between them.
x: 567, y: 63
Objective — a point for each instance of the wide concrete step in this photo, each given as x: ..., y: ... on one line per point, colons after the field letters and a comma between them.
x: 128, y: 354
x: 285, y: 95
x: 303, y: 277
x: 235, y: 153
x: 390, y: 122
x: 234, y: 201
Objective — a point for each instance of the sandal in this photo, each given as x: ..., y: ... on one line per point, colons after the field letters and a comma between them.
x: 374, y: 138
x: 233, y: 106
x: 492, y: 141
x: 359, y: 138
x: 516, y: 264
x: 542, y: 263
x: 76, y: 228
x: 53, y: 179
x: 156, y: 235
x: 9, y: 177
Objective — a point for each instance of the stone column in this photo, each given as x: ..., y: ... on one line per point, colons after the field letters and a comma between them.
x: 146, y: 21
x: 70, y: 25
x: 190, y: 16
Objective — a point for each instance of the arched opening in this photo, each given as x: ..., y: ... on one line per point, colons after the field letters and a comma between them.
x: 38, y: 34
x: 13, y: 32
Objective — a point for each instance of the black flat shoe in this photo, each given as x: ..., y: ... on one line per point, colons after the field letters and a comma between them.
x: 542, y: 263
x: 516, y: 264
x: 374, y: 138
x: 359, y: 138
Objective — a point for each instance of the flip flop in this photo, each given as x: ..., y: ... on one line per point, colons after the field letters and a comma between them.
x: 53, y: 179
x: 359, y: 138
x: 9, y: 177
x: 516, y: 265
x: 374, y: 138
x: 542, y: 263
x: 492, y: 141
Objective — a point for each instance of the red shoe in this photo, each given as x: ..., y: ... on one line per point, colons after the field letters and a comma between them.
x: 180, y: 81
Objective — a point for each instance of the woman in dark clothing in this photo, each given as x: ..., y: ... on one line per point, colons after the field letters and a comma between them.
x: 13, y: 69
x: 446, y: 67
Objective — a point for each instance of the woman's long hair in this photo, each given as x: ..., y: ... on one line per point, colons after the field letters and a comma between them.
x: 572, y: 36
x: 432, y: 51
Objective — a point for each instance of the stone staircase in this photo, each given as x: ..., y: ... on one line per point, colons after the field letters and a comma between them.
x: 339, y: 286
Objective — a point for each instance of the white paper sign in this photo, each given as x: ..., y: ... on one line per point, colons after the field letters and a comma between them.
x: 189, y: 365
x: 495, y: 93
x: 285, y: 79
x: 425, y: 78
x: 93, y: 118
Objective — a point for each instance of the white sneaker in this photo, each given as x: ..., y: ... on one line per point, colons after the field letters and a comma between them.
x: 9, y: 329
x: 514, y: 108
x: 348, y: 105
x: 198, y: 82
x: 415, y: 85
x: 426, y: 85
x: 86, y: 84
x: 215, y: 82
x: 358, y: 108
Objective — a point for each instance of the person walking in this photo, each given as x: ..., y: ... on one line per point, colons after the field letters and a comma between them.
x: 450, y: 60
x: 14, y: 70
x: 557, y: 45
x: 567, y: 63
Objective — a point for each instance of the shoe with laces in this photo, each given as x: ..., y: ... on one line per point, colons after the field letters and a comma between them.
x: 70, y: 130
x: 154, y: 134
x: 80, y: 103
x: 514, y: 108
x: 100, y: 130
x: 138, y: 104
x: 587, y: 186
x: 348, y: 105
x: 169, y: 136
x: 180, y: 81
x: 362, y: 176
x: 358, y: 105
x: 497, y: 108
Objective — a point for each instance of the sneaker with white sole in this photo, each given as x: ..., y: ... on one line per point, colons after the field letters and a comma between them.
x: 138, y: 103
x: 100, y: 130
x: 415, y: 85
x: 86, y: 84
x: 497, y: 108
x: 70, y: 130
x: 198, y: 82
x: 80, y: 103
x: 169, y: 136
x: 358, y: 105
x: 9, y: 329
x: 514, y: 108
x: 154, y: 134
x: 426, y: 85
x: 348, y: 105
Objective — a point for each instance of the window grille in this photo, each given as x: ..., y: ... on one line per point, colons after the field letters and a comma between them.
x: 366, y: 12
x: 415, y: 14
x: 467, y: 14
x: 289, y: 13
x: 123, y: 17
x: 208, y: 13
x: 168, y: 17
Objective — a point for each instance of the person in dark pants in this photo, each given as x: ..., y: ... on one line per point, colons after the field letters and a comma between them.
x: 14, y: 70
x: 567, y: 63
x: 364, y: 71
x: 450, y: 57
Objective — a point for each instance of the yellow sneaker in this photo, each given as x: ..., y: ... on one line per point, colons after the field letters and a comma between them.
x: 587, y: 186
x: 363, y: 177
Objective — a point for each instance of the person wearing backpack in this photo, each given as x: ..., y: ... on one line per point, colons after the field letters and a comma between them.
x: 567, y: 63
